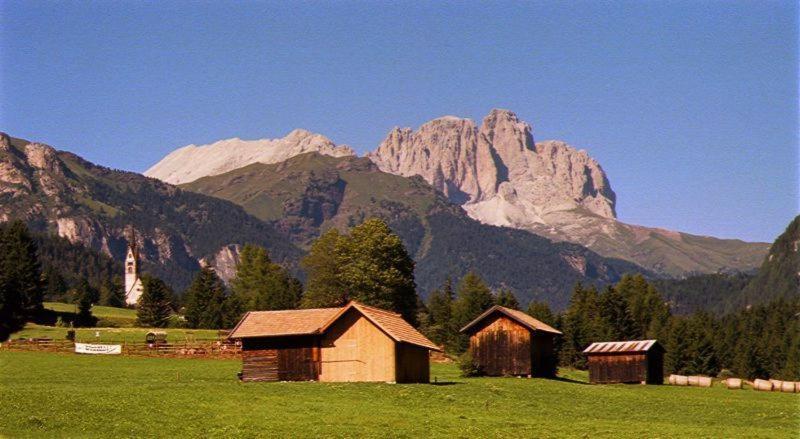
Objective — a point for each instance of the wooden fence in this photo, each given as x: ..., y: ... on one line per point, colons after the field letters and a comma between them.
x: 207, y: 349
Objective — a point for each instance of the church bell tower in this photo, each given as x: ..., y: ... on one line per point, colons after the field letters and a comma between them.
x: 133, y: 284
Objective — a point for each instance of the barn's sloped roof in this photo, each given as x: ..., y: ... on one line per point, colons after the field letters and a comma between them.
x: 317, y: 321
x: 518, y: 316
x: 284, y: 322
x: 621, y: 347
x: 395, y: 326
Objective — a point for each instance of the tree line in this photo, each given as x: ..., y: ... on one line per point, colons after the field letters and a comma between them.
x: 369, y: 264
x: 761, y: 341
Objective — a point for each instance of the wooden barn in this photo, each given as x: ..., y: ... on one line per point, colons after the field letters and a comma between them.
x: 504, y: 341
x: 638, y: 361
x: 352, y: 343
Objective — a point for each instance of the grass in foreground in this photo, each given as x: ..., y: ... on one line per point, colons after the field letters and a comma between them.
x: 57, y: 395
x: 115, y: 335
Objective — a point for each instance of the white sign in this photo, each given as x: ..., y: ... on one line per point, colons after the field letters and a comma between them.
x: 108, y: 349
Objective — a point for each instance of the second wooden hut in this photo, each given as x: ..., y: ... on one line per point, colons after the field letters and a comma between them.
x: 505, y: 341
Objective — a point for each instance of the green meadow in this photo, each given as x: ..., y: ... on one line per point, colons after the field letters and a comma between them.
x: 116, y: 335
x: 68, y: 395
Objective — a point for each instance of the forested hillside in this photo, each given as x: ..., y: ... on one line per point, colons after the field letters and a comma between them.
x: 59, y: 192
x: 310, y: 193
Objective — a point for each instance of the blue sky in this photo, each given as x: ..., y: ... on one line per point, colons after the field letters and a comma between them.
x: 690, y: 106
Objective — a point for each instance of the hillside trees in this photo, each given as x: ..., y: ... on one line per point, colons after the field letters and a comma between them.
x: 154, y: 307
x: 205, y: 301
x: 262, y: 285
x: 507, y: 299
x: 20, y: 278
x: 439, y: 325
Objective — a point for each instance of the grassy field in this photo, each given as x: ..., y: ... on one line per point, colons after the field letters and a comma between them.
x: 115, y: 335
x: 121, y: 316
x: 66, y: 395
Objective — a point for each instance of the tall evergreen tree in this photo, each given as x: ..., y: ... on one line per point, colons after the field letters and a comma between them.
x: 20, y: 278
x: 581, y: 325
x: 440, y: 327
x: 474, y: 297
x: 205, y: 301
x: 84, y: 298
x: 154, y: 308
x: 541, y: 311
x: 261, y: 284
x: 617, y: 323
x: 323, y: 287
x: 113, y: 293
x: 507, y: 299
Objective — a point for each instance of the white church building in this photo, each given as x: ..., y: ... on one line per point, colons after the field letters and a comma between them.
x: 133, y: 284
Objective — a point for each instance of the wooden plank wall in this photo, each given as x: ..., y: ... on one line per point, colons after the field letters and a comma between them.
x: 622, y: 368
x: 353, y: 349
x: 280, y: 359
x: 413, y: 364
x: 502, y: 347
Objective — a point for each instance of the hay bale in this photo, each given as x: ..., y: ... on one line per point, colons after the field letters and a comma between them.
x: 734, y: 383
x: 694, y: 381
x: 762, y: 385
x: 776, y: 385
x: 671, y: 379
x: 704, y: 382
x: 681, y: 380
x: 789, y: 387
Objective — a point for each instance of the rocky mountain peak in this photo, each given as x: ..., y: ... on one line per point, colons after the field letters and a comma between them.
x: 497, y: 168
x: 192, y: 162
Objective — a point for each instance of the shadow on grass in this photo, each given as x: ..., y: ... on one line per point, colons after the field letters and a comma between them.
x: 444, y: 383
x: 568, y: 380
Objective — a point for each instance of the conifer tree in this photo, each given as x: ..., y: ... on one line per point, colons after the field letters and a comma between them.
x: 474, y: 297
x: 262, y: 285
x: 154, y: 308
x: 440, y: 327
x: 20, y: 278
x: 113, y: 293
x: 617, y: 323
x: 204, y: 301
x: 541, y: 311
x: 84, y: 298
x: 507, y: 299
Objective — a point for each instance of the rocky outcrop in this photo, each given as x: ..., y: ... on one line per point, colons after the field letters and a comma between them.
x: 497, y: 171
x: 192, y: 162
x: 500, y: 176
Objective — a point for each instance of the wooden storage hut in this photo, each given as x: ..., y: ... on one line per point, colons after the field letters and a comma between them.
x: 504, y: 341
x: 352, y: 343
x: 638, y: 361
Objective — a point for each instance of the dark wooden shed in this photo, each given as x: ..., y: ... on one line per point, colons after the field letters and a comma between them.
x: 352, y: 343
x: 637, y: 361
x: 505, y: 341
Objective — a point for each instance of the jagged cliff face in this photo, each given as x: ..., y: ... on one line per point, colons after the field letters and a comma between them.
x: 497, y: 171
x: 192, y: 162
x: 61, y: 193
x: 500, y: 176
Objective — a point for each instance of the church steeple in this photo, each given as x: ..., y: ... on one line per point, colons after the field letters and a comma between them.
x: 133, y: 285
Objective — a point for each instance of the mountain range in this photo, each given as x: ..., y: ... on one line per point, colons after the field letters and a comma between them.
x: 535, y: 217
x: 499, y: 176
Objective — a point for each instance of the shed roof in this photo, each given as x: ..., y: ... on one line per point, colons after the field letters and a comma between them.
x: 318, y: 320
x: 518, y: 316
x: 283, y: 322
x: 621, y: 347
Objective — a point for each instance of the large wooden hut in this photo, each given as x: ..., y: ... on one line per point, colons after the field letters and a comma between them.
x: 504, y: 341
x: 351, y: 343
x: 637, y: 361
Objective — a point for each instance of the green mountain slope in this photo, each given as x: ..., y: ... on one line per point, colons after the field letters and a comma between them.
x: 310, y: 193
x: 779, y: 275
x: 59, y: 192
